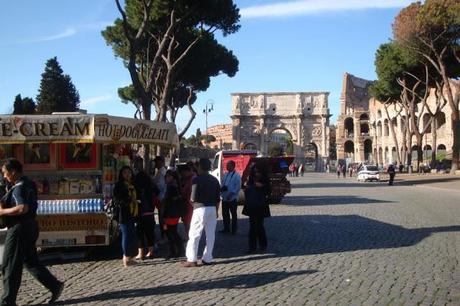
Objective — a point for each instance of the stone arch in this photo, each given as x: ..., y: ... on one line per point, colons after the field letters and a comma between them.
x: 394, y: 155
x: 284, y: 137
x: 311, y: 157
x: 349, y: 149
x: 364, y: 117
x: 368, y: 150
x: 427, y: 150
x: 249, y: 146
x: 364, y: 127
x: 386, y: 156
x: 348, y: 125
x: 442, y: 147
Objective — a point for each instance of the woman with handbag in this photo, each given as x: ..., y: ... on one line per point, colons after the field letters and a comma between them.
x: 174, y: 209
x: 125, y: 197
x: 256, y: 206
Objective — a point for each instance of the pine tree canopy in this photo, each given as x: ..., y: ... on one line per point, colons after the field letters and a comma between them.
x: 57, y: 92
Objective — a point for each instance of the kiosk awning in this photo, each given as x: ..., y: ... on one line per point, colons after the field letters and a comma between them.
x: 85, y: 128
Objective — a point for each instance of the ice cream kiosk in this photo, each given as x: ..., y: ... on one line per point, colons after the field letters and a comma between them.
x: 74, y: 160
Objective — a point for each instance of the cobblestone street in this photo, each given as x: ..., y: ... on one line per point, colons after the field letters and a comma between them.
x: 331, y: 242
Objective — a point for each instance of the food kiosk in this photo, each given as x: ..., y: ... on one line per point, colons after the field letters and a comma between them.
x: 74, y: 160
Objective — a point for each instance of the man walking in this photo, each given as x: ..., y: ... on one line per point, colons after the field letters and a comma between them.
x: 205, y: 199
x: 231, y: 185
x: 391, y: 172
x: 18, y: 207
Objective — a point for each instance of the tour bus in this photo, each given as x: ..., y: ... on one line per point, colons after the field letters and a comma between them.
x: 74, y: 161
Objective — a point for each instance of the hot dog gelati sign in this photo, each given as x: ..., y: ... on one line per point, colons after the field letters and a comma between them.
x: 85, y: 128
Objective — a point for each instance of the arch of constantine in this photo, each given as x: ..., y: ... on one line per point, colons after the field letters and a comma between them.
x: 299, y: 121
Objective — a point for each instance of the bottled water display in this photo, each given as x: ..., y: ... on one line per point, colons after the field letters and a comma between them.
x: 70, y: 206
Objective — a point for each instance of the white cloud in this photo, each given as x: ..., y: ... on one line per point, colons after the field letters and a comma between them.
x: 66, y: 33
x: 307, y: 7
x: 70, y: 31
x: 95, y: 100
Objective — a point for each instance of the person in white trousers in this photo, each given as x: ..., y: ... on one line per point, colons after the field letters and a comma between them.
x: 205, y: 199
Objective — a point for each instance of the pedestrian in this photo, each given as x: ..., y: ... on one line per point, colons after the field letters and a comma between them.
x: 159, y: 180
x: 174, y: 208
x: 125, y: 198
x: 339, y: 170
x: 291, y: 169
x: 231, y: 185
x: 350, y: 170
x: 391, y: 172
x: 145, y: 226
x: 301, y: 169
x: 205, y: 199
x: 344, y: 170
x: 186, y: 178
x: 256, y: 207
x: 18, y: 208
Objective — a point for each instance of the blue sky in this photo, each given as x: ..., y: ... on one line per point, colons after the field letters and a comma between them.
x: 281, y: 46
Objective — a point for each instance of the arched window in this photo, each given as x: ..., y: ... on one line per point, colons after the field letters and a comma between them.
x: 348, y: 125
x: 379, y: 128
x: 364, y: 129
x: 379, y: 114
x: 368, y: 150
x: 426, y: 122
x: 386, y: 129
x: 349, y: 149
x: 440, y: 119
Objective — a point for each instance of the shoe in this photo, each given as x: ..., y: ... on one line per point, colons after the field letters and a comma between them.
x: 149, y: 256
x: 57, y: 293
x: 205, y: 263
x: 189, y: 264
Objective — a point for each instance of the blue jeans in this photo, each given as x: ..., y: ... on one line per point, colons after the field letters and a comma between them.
x: 128, y: 239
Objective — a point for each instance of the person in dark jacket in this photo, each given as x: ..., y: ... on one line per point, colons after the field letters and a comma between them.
x: 256, y: 206
x: 19, y: 208
x: 174, y: 209
x: 146, y: 223
x: 391, y: 172
x: 125, y: 197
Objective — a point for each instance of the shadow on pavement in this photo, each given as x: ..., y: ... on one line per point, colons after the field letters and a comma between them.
x: 328, y: 200
x: 320, y: 234
x: 241, y: 281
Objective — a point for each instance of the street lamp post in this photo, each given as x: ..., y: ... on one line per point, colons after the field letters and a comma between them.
x: 208, y: 108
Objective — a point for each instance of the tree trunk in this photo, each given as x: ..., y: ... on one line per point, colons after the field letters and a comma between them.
x: 456, y: 140
x: 393, y: 133
x: 434, y: 135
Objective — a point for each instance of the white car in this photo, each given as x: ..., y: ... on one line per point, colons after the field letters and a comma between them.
x: 368, y: 173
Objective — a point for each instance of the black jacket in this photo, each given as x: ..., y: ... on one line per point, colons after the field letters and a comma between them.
x: 174, y: 203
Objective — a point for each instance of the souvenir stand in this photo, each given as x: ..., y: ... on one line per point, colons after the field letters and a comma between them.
x: 74, y: 160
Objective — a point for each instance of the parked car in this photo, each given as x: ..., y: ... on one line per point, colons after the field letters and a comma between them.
x: 368, y: 173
